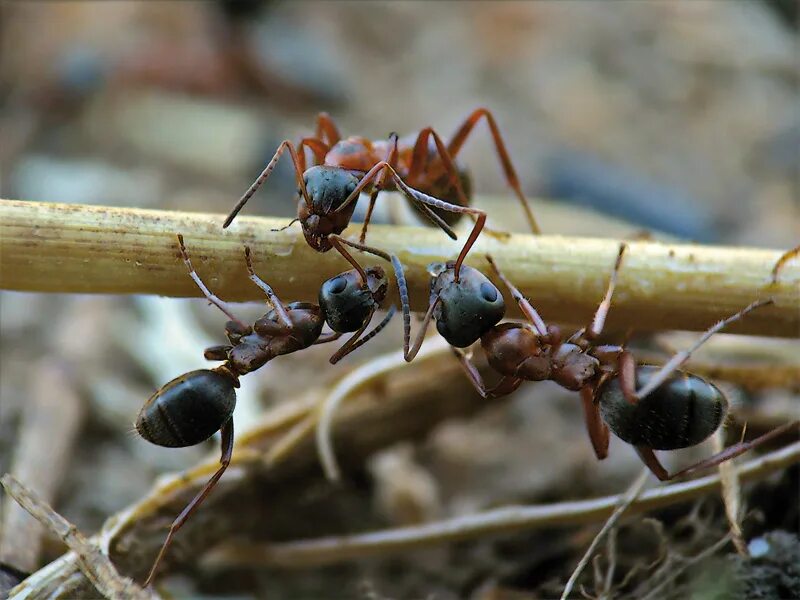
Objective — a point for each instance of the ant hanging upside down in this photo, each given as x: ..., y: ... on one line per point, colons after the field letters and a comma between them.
x: 651, y: 408
x: 422, y: 171
x: 192, y: 407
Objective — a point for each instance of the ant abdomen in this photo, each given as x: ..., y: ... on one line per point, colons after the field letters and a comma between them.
x: 189, y: 409
x: 681, y: 412
x: 467, y: 309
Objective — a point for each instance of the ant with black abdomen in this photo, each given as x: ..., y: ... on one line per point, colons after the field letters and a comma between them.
x: 194, y: 406
x: 651, y: 408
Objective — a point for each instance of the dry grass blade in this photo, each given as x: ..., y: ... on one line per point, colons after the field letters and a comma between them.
x: 96, y: 565
x: 329, y: 550
x: 631, y: 494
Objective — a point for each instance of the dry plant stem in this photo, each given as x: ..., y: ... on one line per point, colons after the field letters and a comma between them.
x: 96, y: 565
x: 323, y: 551
x: 49, y: 427
x: 731, y: 494
x: 630, y: 495
x: 89, y: 249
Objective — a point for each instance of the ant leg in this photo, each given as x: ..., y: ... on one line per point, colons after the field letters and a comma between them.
x: 217, y: 352
x: 420, y: 157
x: 283, y: 316
x: 410, y: 354
x: 505, y: 386
x: 422, y: 199
x: 626, y: 366
x: 737, y: 449
x: 318, y: 148
x: 225, y: 459
x: 458, y: 139
x: 354, y: 343
x: 391, y: 158
x: 681, y: 357
x: 337, y: 242
x: 524, y: 305
x: 298, y: 169
x: 649, y: 458
x: 326, y: 129
x: 781, y: 262
x: 595, y: 328
x: 327, y: 337
x: 651, y: 461
x: 596, y: 428
x: 212, y: 298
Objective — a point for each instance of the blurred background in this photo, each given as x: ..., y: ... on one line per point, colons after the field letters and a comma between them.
x: 674, y: 117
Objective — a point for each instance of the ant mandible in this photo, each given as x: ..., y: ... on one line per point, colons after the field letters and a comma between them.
x: 194, y: 406
x: 671, y: 409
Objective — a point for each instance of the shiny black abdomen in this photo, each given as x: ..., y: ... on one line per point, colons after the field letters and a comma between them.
x: 187, y: 410
x: 681, y: 412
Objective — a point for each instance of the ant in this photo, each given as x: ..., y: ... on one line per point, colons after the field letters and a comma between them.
x: 194, y: 406
x: 651, y: 408
x: 328, y: 191
x: 425, y: 162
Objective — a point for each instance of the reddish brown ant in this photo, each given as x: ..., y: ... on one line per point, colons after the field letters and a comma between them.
x: 651, y: 408
x: 328, y: 190
x: 423, y: 161
x: 194, y: 406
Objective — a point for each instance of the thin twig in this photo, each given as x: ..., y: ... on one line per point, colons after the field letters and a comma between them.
x: 731, y: 494
x: 49, y: 427
x: 95, y: 565
x: 631, y: 494
x: 65, y: 248
x: 327, y: 550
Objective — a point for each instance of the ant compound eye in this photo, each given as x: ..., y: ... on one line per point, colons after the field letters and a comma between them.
x: 337, y: 286
x: 488, y: 292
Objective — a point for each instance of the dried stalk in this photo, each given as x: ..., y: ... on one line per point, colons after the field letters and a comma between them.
x: 49, y: 428
x: 329, y: 550
x: 88, y: 249
x: 96, y: 565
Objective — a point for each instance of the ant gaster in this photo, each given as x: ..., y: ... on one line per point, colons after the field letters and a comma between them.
x: 194, y: 406
x: 652, y: 408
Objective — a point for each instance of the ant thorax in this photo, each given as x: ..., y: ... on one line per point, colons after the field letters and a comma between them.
x: 572, y: 367
x: 270, y: 338
x: 354, y: 154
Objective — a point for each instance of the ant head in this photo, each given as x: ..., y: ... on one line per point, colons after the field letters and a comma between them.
x: 466, y: 309
x: 328, y: 187
x: 189, y: 409
x: 681, y: 412
x: 347, y: 302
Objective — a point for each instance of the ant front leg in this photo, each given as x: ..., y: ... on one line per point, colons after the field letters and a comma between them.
x: 595, y: 328
x: 299, y: 169
x: 458, y: 139
x: 649, y: 458
x: 524, y: 305
x: 504, y: 387
x: 681, y: 357
x: 225, y: 459
x: 420, y: 158
x: 276, y: 303
x: 424, y: 200
x: 354, y: 342
x: 212, y: 298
